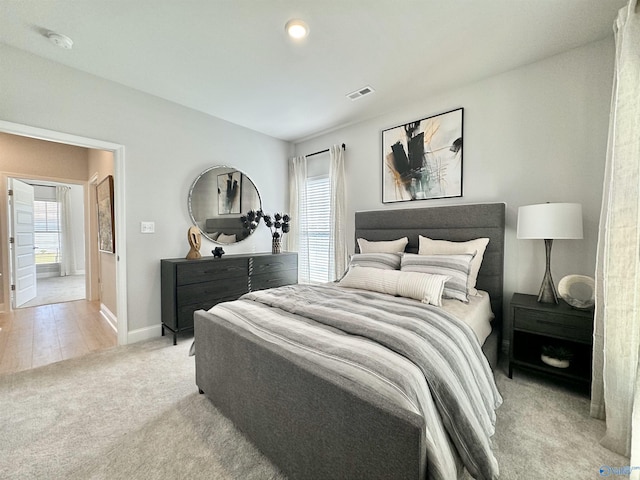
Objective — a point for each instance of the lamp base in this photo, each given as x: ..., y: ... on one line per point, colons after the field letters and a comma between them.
x: 548, y: 292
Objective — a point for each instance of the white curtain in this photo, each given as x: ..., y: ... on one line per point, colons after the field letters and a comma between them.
x: 338, y: 233
x: 67, y: 247
x: 298, y: 213
x: 616, y: 376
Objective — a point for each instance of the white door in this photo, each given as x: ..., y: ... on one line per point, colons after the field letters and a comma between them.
x: 23, y: 255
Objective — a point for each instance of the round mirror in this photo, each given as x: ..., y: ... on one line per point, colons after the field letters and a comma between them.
x: 219, y: 201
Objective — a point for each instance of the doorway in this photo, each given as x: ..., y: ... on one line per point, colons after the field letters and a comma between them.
x: 118, y: 265
x: 48, y: 262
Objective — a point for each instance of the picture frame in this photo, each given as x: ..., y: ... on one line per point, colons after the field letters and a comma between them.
x: 422, y: 159
x: 229, y: 193
x: 106, y: 226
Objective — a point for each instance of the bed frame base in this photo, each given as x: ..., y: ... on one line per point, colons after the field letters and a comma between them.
x: 309, y: 426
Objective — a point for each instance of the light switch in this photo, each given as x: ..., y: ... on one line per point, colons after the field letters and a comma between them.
x: 147, y: 227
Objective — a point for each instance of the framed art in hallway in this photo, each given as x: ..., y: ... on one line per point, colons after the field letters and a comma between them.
x: 106, y: 230
x: 422, y: 159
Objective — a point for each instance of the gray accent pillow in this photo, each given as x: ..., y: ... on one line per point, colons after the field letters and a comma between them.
x: 386, y: 261
x: 457, y: 267
x: 477, y: 246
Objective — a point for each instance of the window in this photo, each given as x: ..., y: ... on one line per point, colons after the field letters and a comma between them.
x: 317, y: 234
x: 46, y: 231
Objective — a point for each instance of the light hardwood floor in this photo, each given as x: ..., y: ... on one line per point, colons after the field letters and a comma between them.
x: 36, y: 336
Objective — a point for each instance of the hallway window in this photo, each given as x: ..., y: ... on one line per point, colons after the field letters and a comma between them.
x: 46, y: 231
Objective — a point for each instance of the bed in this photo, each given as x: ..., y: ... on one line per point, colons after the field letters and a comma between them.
x: 335, y: 401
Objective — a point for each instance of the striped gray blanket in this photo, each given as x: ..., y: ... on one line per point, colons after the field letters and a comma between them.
x: 413, y: 354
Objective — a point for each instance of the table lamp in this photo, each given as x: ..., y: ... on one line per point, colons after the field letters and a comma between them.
x: 549, y: 222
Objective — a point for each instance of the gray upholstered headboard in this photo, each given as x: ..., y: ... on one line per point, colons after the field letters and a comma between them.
x: 456, y: 223
x: 226, y: 225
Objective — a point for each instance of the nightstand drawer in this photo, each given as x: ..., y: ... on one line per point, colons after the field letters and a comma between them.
x: 547, y: 323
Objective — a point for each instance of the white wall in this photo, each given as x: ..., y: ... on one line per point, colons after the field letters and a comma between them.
x: 532, y: 135
x: 166, y: 147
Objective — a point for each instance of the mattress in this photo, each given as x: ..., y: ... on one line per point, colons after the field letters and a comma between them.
x: 477, y: 313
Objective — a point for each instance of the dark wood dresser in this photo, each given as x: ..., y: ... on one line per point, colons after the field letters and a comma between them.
x: 190, y: 285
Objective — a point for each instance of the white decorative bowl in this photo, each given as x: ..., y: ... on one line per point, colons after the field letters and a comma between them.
x: 554, y: 362
x: 578, y: 291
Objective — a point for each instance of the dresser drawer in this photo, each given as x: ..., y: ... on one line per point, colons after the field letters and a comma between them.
x: 202, y: 292
x: 185, y: 312
x: 559, y: 325
x: 190, y: 285
x: 206, y: 270
x: 272, y: 280
x: 272, y: 264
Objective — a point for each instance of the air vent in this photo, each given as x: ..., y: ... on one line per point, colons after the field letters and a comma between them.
x: 360, y: 93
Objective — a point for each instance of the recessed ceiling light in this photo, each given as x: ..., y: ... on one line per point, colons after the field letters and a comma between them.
x: 60, y: 40
x: 297, y: 29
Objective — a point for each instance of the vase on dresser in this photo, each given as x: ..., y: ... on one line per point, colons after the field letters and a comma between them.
x: 276, y: 244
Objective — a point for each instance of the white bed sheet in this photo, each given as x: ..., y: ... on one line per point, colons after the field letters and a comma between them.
x: 477, y: 313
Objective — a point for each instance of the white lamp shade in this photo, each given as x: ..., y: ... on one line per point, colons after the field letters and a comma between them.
x: 550, y: 221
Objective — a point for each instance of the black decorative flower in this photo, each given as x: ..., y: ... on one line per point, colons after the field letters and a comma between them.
x: 279, y: 224
x: 251, y: 220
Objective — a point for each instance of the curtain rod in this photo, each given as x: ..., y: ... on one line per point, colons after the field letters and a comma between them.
x: 344, y: 147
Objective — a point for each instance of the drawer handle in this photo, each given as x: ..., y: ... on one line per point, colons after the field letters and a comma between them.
x: 555, y: 324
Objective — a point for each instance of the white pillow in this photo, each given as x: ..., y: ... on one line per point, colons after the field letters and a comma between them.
x: 420, y: 286
x: 456, y: 267
x: 224, y: 238
x: 477, y: 246
x: 391, y: 246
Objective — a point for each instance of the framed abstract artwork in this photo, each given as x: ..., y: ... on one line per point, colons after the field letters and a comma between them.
x: 423, y: 159
x: 229, y: 191
x: 106, y: 230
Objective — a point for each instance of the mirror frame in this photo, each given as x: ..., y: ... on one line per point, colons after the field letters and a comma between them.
x: 190, y: 196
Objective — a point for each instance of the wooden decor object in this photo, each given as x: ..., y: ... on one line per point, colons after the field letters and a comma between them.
x: 195, y: 240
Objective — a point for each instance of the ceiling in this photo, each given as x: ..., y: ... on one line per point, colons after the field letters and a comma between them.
x: 232, y: 59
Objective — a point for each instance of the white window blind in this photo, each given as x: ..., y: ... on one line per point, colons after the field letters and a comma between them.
x: 46, y: 231
x: 318, y: 229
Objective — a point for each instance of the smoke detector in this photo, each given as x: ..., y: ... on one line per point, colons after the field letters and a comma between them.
x: 60, y: 40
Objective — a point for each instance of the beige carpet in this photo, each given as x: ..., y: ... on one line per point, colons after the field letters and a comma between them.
x: 134, y: 413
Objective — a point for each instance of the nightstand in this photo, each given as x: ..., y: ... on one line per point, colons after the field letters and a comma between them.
x: 535, y: 325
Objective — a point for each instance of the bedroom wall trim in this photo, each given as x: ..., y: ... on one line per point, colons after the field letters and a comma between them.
x: 146, y: 333
x: 109, y: 316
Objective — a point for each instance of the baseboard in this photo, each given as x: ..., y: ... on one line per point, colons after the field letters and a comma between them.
x: 142, y: 334
x: 109, y: 317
